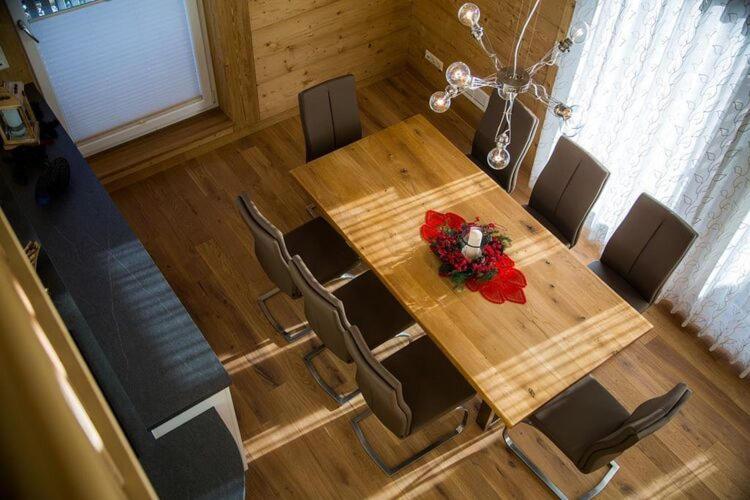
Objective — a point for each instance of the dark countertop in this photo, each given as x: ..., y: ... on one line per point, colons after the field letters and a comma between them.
x: 158, y: 353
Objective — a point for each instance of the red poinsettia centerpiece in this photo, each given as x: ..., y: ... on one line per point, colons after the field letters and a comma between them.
x: 473, y: 255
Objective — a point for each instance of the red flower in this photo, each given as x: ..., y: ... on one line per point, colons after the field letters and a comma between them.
x: 493, y: 274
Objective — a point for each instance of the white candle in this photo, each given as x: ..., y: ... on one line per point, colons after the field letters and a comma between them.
x: 473, y: 249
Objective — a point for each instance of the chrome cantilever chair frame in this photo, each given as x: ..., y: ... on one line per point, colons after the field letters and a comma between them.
x: 393, y: 470
x: 339, y: 398
x: 512, y: 446
x: 304, y: 328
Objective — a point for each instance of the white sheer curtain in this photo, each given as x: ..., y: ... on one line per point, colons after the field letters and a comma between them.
x: 663, y: 88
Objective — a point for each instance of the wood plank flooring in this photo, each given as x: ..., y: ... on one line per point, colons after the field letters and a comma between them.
x: 300, y: 445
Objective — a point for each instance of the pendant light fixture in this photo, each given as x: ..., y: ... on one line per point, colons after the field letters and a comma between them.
x: 508, y: 81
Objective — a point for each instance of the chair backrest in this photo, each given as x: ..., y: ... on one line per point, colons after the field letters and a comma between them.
x: 323, y: 310
x: 330, y: 116
x: 381, y: 390
x: 523, y: 125
x: 270, y: 249
x: 568, y: 187
x: 648, y: 245
x: 645, y: 420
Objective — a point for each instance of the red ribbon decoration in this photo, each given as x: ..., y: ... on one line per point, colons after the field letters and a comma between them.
x: 506, y: 285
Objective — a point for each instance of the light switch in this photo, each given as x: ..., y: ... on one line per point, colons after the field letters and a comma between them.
x: 3, y: 60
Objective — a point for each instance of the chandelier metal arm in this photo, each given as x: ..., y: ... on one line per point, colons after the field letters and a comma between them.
x: 549, y: 59
x: 486, y: 44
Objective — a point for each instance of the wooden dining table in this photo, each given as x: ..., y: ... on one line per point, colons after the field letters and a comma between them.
x: 518, y: 357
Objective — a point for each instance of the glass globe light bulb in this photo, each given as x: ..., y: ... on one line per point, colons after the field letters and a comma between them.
x: 440, y: 102
x: 469, y: 14
x: 498, y: 158
x: 578, y: 33
x: 572, y: 123
x: 458, y: 74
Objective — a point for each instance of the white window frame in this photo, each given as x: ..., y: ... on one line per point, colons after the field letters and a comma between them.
x: 145, y: 125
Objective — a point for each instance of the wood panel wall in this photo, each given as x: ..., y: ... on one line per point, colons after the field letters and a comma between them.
x: 229, y: 33
x: 266, y: 51
x: 298, y: 43
x: 20, y: 69
x: 435, y: 26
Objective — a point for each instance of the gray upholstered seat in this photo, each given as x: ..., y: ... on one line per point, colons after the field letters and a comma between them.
x: 363, y: 301
x: 524, y: 125
x: 644, y: 251
x: 330, y: 116
x: 323, y: 249
x: 566, y: 190
x: 406, y: 391
x: 592, y: 428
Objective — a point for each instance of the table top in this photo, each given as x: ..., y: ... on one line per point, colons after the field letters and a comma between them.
x: 376, y: 192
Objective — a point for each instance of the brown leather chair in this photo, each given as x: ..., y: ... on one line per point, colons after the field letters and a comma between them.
x: 324, y: 250
x: 330, y: 116
x: 592, y: 428
x: 406, y: 391
x: 644, y: 251
x: 565, y: 191
x: 363, y: 301
x: 524, y: 125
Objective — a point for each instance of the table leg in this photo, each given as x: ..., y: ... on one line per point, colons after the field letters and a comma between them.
x: 486, y: 418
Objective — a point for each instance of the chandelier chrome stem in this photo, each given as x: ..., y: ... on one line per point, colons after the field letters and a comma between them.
x: 520, y: 37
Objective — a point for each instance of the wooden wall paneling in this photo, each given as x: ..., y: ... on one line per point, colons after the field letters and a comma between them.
x: 298, y: 44
x: 229, y: 36
x: 19, y: 68
x: 375, y: 59
x: 278, y: 56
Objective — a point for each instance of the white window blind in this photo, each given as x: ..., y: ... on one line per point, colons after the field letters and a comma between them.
x: 115, y: 62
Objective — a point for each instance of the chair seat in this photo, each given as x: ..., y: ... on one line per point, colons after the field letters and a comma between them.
x: 619, y: 285
x: 373, y: 309
x: 548, y: 225
x: 324, y: 251
x: 431, y: 384
x: 583, y: 414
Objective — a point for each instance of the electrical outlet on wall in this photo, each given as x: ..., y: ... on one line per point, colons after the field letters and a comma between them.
x: 432, y: 58
x: 478, y: 97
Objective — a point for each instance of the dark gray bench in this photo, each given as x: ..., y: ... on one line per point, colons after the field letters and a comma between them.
x: 146, y: 353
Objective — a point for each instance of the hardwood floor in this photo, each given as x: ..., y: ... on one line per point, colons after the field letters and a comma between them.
x: 300, y: 444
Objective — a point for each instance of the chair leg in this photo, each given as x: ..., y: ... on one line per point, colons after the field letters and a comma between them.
x: 613, y: 468
x: 512, y: 446
x: 339, y: 398
x: 290, y: 335
x: 531, y: 465
x: 393, y: 470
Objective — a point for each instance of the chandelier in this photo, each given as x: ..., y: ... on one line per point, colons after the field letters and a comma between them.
x: 508, y: 81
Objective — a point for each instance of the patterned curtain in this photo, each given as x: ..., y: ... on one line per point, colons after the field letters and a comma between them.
x: 663, y: 90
